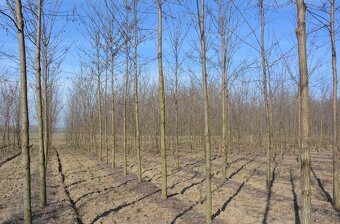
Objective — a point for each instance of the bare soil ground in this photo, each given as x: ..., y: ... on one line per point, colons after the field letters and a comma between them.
x: 82, y: 189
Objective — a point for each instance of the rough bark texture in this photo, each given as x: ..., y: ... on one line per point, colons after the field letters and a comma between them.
x: 24, y: 116
x: 336, y: 201
x: 304, y: 104
x: 206, y: 114
x: 162, y: 102
x: 39, y: 109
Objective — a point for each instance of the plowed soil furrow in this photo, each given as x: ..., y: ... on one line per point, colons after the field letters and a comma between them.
x: 82, y: 189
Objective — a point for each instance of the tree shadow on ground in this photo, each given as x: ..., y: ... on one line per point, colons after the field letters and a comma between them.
x: 269, y: 195
x: 295, y: 200
x: 326, y: 194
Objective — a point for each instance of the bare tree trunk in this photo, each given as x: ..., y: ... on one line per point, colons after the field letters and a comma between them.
x: 225, y: 101
x: 336, y: 201
x: 162, y: 103
x: 126, y: 86
x: 100, y: 115
x: 305, y: 129
x: 176, y: 52
x: 39, y: 109
x: 24, y: 116
x: 321, y: 127
x: 137, y: 131
x: 105, y: 114
x: 113, y: 156
x: 206, y: 114
x: 46, y: 108
x: 176, y: 108
x: 267, y: 103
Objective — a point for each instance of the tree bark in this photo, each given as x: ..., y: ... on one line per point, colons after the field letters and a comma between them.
x: 336, y: 201
x: 46, y: 108
x: 126, y: 86
x: 225, y: 97
x: 24, y: 116
x: 39, y: 109
x: 113, y: 155
x: 267, y: 102
x: 100, y: 115
x: 105, y: 110
x: 304, y: 104
x: 137, y: 131
x: 206, y: 114
x: 162, y: 102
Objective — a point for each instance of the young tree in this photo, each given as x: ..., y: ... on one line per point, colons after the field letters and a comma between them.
x: 267, y: 102
x: 127, y: 7
x: 205, y: 111
x: 113, y: 134
x: 162, y: 102
x: 336, y: 200
x: 45, y: 98
x: 225, y: 94
x: 304, y: 119
x: 137, y: 131
x: 105, y: 106
x: 100, y: 112
x: 112, y: 58
x: 24, y: 113
x: 177, y: 37
x: 39, y: 109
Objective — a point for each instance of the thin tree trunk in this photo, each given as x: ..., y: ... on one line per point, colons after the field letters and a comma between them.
x: 46, y: 108
x: 162, y: 103
x: 225, y: 101
x: 126, y: 87
x: 336, y: 201
x: 305, y: 129
x: 100, y: 116
x: 206, y: 114
x: 176, y: 51
x: 137, y: 131
x: 24, y: 116
x: 266, y: 99
x: 105, y: 114
x: 113, y: 156
x: 39, y: 109
x: 321, y: 128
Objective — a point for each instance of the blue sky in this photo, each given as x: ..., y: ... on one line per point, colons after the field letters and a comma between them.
x: 280, y: 27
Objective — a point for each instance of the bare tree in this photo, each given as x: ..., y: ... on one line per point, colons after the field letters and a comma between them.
x: 112, y: 58
x: 137, y: 131
x: 24, y: 113
x: 39, y: 109
x: 105, y: 107
x: 162, y: 102
x: 100, y: 113
x: 127, y: 7
x: 336, y: 200
x: 205, y: 110
x: 225, y: 93
x: 305, y: 126
x: 177, y: 37
x: 267, y: 102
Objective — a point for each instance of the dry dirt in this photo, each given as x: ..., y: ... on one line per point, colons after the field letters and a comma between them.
x: 82, y: 189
